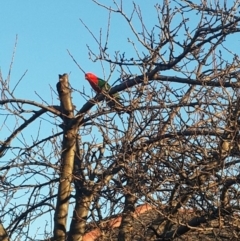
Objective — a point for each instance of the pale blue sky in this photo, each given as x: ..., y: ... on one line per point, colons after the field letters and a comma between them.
x: 46, y: 29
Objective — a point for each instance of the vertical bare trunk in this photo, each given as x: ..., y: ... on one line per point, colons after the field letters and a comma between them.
x: 3, y: 234
x: 83, y: 197
x: 67, y: 160
x: 126, y: 228
x: 78, y: 225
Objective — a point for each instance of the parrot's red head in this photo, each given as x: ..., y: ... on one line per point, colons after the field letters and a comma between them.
x: 91, y: 78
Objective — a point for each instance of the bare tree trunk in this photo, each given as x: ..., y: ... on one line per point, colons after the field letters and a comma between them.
x: 3, y: 234
x: 67, y: 159
x: 83, y: 198
x: 127, y: 218
x: 78, y: 225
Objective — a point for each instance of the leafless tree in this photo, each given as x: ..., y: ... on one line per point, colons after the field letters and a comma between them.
x: 68, y: 170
